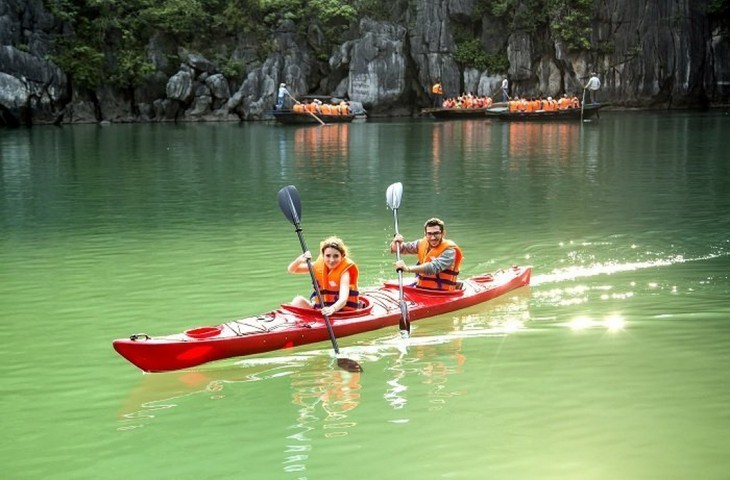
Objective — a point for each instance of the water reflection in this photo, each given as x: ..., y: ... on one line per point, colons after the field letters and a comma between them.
x: 558, y: 141
x: 326, y: 397
x: 326, y: 143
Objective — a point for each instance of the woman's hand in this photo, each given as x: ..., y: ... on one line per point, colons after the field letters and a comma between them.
x: 401, y: 265
x: 328, y: 311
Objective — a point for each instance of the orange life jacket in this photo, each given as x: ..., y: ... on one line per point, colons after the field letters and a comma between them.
x: 437, y: 89
x: 298, y: 107
x: 446, y: 279
x: 329, y: 283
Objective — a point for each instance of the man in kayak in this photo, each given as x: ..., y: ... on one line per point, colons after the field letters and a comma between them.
x: 439, y: 259
x: 336, y: 276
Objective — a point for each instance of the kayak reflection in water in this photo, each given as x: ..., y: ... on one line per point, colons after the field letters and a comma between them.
x: 336, y: 276
x: 439, y: 259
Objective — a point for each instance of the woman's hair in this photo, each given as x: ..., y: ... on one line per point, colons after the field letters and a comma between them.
x: 433, y: 222
x: 334, y: 242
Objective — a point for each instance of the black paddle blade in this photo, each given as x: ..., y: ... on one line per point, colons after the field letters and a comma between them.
x: 349, y: 365
x: 404, y: 324
x: 290, y: 204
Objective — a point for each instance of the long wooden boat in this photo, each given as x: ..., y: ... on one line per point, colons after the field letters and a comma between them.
x: 503, y: 113
x: 443, y: 113
x: 289, y: 326
x: 290, y: 117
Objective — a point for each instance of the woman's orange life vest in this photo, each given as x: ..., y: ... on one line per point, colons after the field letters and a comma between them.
x: 329, y: 283
x: 298, y: 108
x: 446, y: 279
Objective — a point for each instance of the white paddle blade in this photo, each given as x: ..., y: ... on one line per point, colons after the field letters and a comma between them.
x: 393, y: 195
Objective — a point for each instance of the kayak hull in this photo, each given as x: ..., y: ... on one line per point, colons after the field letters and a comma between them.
x: 289, y: 327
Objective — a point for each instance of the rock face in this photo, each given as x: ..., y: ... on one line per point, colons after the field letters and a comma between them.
x: 656, y: 54
x: 31, y: 89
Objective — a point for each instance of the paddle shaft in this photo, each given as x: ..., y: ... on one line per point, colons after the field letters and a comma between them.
x: 404, y: 323
x: 318, y: 119
x: 582, y: 104
x: 311, y: 113
x: 327, y: 322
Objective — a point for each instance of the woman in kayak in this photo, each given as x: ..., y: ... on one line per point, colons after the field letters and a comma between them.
x: 439, y: 259
x: 336, y: 276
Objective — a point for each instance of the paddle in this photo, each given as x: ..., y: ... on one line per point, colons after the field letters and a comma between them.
x: 582, y: 103
x: 291, y: 206
x: 393, y: 196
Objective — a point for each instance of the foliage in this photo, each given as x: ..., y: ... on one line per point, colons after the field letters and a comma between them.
x: 83, y: 63
x: 719, y: 10
x: 132, y: 68
x: 182, y: 18
x: 569, y: 20
x: 525, y: 15
x: 470, y: 53
x: 376, y: 9
x: 333, y: 11
x: 233, y: 69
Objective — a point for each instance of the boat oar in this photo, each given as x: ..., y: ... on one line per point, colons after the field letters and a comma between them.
x: 311, y: 113
x: 291, y: 206
x: 582, y: 104
x: 393, y: 196
x: 317, y: 118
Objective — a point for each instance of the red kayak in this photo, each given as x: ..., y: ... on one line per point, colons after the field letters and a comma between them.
x: 289, y: 326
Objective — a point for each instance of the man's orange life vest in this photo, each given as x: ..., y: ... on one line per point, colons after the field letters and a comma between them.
x: 446, y: 279
x: 329, y: 283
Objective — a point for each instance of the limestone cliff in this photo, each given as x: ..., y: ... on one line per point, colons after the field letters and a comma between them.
x: 656, y: 54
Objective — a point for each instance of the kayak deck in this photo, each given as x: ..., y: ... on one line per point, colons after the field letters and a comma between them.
x: 289, y: 326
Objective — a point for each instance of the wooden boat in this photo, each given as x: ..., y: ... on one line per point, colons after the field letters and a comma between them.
x: 290, y: 117
x: 443, y: 113
x: 503, y: 113
x: 289, y: 326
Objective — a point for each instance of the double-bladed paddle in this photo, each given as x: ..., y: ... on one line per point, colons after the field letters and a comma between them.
x: 393, y: 196
x: 291, y: 206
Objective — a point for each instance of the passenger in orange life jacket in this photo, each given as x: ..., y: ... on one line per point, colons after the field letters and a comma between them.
x: 439, y: 259
x: 336, y: 277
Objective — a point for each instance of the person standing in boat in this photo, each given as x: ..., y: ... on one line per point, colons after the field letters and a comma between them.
x: 336, y: 276
x: 438, y: 94
x: 281, y: 96
x: 439, y: 259
x: 594, y: 83
x: 505, y: 90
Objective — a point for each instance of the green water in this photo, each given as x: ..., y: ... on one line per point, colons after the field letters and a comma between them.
x: 611, y: 365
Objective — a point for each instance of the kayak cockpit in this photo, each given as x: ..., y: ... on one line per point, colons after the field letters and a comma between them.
x: 304, y: 312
